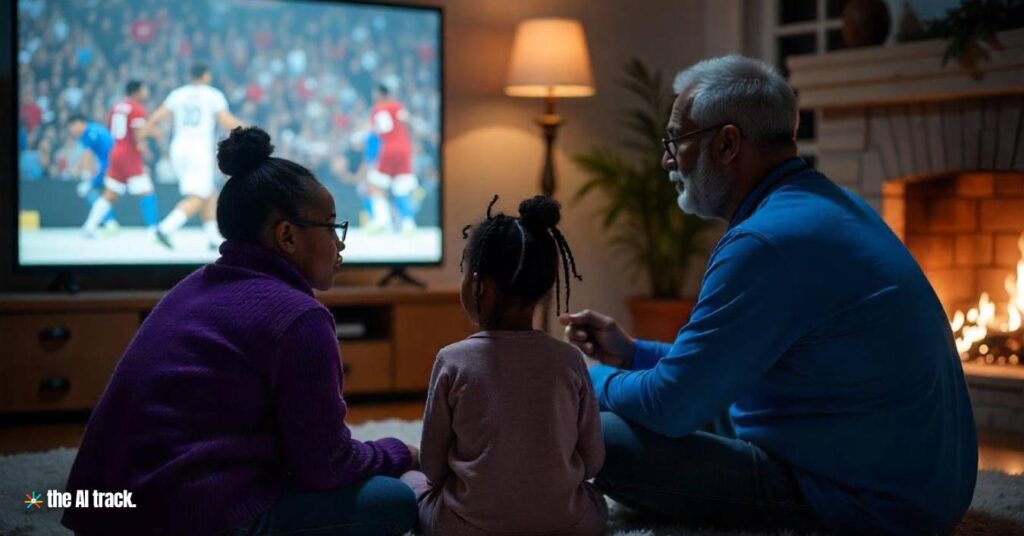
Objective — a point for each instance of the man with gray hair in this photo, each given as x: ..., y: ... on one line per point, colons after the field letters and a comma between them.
x: 815, y: 329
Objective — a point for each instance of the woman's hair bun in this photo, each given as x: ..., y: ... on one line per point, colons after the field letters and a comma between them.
x: 540, y: 212
x: 244, y: 150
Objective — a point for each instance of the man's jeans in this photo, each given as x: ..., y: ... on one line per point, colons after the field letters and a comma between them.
x: 703, y: 479
x: 379, y: 505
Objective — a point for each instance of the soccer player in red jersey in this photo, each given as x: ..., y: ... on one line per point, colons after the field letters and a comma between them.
x: 389, y: 119
x: 127, y: 172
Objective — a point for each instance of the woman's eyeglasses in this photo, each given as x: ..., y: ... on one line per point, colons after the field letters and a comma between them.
x: 340, y: 228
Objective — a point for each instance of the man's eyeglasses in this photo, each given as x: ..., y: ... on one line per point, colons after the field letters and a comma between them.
x: 340, y: 228
x: 672, y: 144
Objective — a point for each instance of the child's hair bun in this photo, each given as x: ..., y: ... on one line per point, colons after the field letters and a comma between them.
x: 244, y: 150
x: 540, y: 212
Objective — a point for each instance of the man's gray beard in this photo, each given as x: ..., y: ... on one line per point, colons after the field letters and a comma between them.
x: 704, y: 191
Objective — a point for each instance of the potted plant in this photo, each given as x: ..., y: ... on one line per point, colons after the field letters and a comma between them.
x: 969, y: 26
x: 641, y: 214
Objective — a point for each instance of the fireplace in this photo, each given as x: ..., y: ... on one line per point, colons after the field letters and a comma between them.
x: 938, y: 151
x: 966, y: 230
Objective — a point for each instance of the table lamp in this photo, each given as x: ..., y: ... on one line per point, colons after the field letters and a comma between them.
x: 549, y: 60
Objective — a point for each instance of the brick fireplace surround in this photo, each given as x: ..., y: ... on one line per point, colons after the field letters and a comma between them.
x: 963, y: 230
x: 939, y: 152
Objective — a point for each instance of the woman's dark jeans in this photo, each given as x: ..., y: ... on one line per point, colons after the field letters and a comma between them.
x: 379, y: 505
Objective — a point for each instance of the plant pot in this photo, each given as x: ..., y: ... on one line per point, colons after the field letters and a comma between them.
x: 866, y: 23
x: 659, y: 319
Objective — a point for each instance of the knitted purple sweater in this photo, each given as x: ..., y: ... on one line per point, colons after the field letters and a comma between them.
x: 229, y: 392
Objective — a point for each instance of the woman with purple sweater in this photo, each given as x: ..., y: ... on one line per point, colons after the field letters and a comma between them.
x: 225, y: 415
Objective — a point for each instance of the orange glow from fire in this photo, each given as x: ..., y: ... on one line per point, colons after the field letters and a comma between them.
x: 974, y: 326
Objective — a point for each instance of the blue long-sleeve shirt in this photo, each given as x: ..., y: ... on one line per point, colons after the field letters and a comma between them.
x: 823, y: 338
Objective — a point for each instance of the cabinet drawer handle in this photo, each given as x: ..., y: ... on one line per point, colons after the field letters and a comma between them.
x: 345, y: 369
x: 55, y: 334
x: 54, y: 385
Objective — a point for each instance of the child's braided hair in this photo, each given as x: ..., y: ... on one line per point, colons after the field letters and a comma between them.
x: 521, y: 254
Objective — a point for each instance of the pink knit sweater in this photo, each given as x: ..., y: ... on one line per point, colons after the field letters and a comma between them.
x: 510, y: 433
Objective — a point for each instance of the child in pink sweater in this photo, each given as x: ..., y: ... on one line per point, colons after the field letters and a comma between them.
x: 511, y: 430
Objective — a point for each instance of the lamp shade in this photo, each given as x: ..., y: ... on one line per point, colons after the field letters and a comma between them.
x: 549, y: 58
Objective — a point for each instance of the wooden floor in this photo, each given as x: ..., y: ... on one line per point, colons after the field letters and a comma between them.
x: 999, y: 451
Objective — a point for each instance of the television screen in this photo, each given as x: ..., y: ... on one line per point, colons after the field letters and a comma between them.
x: 121, y: 104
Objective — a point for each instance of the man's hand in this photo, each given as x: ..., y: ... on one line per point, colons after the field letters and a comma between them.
x: 415, y: 457
x: 600, y: 337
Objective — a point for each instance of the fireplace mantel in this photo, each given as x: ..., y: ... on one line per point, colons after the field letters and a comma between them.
x: 905, y: 73
x: 895, y: 113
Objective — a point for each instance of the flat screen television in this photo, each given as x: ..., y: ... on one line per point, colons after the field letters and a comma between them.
x: 351, y: 90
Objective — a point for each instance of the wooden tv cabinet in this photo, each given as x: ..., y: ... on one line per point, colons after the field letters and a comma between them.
x: 57, y: 351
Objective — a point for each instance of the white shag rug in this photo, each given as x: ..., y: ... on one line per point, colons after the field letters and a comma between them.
x: 997, y: 508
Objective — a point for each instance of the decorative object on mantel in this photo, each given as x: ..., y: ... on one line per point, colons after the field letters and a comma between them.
x: 549, y: 59
x: 865, y: 23
x: 971, y: 28
x: 642, y: 215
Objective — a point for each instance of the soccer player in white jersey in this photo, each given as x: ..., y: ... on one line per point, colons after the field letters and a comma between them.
x: 197, y: 108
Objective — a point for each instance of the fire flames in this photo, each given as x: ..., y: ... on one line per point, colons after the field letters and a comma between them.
x: 988, y: 335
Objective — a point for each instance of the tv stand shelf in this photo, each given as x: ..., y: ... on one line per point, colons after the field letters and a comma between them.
x: 57, y: 351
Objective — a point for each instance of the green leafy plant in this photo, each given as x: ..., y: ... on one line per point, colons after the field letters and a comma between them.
x: 641, y: 213
x: 971, y: 23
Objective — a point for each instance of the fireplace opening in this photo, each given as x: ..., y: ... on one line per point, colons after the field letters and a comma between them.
x: 966, y: 230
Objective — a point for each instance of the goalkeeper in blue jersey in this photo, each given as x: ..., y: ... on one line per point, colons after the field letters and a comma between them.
x: 98, y: 141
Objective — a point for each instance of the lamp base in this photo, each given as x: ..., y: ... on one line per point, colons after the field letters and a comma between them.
x: 549, y: 122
